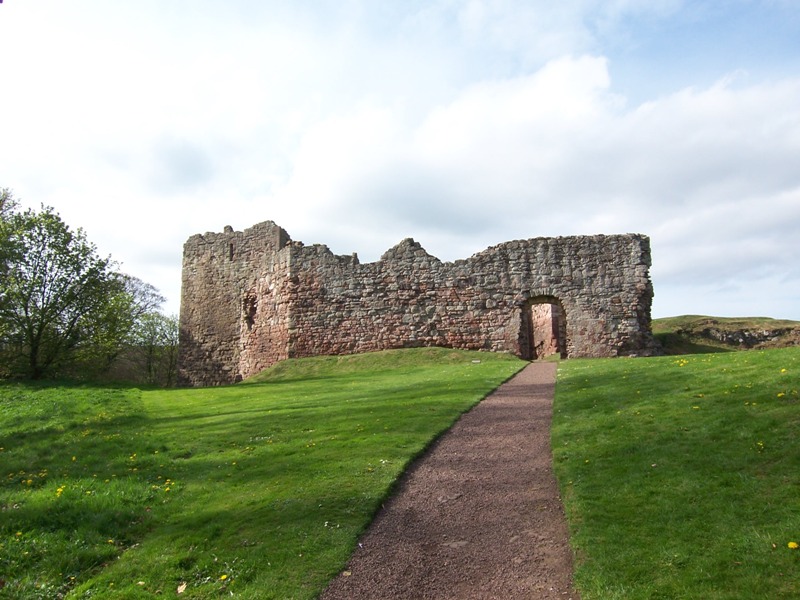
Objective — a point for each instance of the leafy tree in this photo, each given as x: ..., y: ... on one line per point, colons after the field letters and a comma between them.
x: 66, y: 311
x: 114, y: 328
x: 155, y: 348
x: 54, y: 293
x: 141, y: 343
x: 7, y: 207
x: 105, y: 332
x: 145, y: 298
x: 8, y: 203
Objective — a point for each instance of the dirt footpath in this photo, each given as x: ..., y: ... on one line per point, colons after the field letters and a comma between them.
x: 477, y: 517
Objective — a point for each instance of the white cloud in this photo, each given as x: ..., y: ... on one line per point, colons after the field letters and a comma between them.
x: 708, y: 174
x: 355, y: 124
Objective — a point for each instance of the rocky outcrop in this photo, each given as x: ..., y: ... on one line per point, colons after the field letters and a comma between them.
x: 745, y: 337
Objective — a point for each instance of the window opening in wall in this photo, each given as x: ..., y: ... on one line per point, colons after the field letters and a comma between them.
x: 543, y: 329
x: 230, y: 252
x: 249, y: 308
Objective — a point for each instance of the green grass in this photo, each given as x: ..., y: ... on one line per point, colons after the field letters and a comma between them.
x: 259, y: 489
x: 681, y: 475
x: 688, y: 334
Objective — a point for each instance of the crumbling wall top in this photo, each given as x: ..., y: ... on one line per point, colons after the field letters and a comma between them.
x: 253, y: 297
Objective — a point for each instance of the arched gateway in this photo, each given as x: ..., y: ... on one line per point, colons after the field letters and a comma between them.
x: 252, y: 298
x: 543, y: 330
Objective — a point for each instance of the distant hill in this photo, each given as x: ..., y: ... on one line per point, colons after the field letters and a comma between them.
x: 695, y: 334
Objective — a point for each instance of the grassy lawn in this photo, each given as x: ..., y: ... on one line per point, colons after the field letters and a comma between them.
x: 681, y: 475
x: 258, y: 489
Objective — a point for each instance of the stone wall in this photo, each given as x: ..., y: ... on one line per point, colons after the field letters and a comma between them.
x: 218, y: 268
x: 253, y: 298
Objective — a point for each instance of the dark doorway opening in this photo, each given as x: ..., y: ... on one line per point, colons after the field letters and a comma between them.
x: 543, y: 330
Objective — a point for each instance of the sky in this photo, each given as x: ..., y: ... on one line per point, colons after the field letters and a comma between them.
x: 460, y: 123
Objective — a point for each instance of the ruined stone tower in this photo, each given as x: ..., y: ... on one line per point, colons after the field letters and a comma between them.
x: 252, y: 298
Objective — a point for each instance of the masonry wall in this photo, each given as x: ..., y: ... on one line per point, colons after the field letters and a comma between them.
x: 284, y: 299
x: 218, y: 269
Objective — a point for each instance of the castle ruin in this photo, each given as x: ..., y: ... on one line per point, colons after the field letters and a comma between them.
x: 255, y: 297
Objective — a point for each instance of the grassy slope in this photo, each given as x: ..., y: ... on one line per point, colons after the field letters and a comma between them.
x: 259, y: 489
x: 681, y: 475
x: 685, y: 334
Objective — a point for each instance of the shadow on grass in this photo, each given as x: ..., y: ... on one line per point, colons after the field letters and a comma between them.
x: 247, y: 473
x: 674, y: 344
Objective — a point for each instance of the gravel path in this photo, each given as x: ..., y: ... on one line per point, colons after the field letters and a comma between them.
x: 478, y: 516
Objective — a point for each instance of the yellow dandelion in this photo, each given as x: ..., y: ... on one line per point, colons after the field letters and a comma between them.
x: 223, y: 577
x: 793, y: 545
